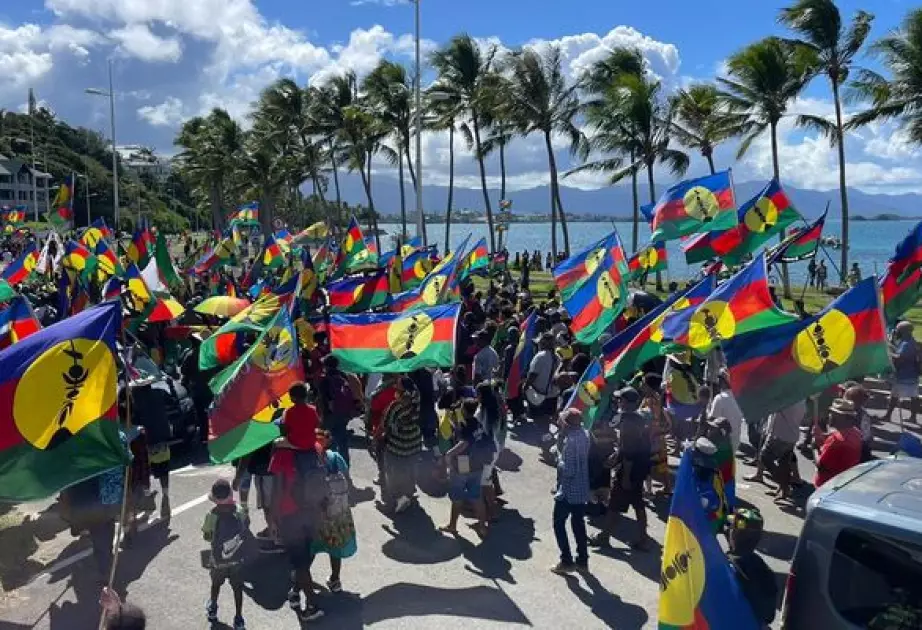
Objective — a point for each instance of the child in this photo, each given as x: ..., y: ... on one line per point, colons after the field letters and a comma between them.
x: 300, y: 421
x: 225, y: 528
x: 756, y: 580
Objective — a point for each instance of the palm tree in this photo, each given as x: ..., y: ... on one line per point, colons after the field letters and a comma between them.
x: 387, y: 91
x: 501, y: 128
x: 702, y: 121
x: 901, y: 96
x: 541, y: 100
x: 444, y: 114
x: 465, y: 69
x: 762, y: 80
x: 359, y: 139
x: 333, y: 98
x: 263, y: 168
x: 211, y: 149
x: 830, y: 47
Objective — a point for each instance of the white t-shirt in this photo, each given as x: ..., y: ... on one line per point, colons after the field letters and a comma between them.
x: 784, y: 425
x: 724, y: 405
x: 486, y: 363
x: 543, y: 366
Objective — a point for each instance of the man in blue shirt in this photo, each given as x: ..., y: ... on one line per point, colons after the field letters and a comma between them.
x: 572, y: 493
x: 905, y: 382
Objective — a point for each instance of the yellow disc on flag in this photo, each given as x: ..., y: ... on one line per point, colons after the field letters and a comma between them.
x: 274, y: 409
x: 607, y: 290
x: 69, y: 386
x: 349, y: 244
x: 274, y: 350
x: 682, y: 576
x: 593, y: 260
x: 408, y: 337
x: 825, y: 344
x: 589, y: 393
x: 419, y: 269
x: 656, y: 328
x: 648, y: 258
x: 701, y: 204
x: 433, y: 290
x: 763, y: 215
x: 357, y: 293
x: 711, y: 323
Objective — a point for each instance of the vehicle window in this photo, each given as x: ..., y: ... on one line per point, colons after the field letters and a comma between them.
x: 876, y: 581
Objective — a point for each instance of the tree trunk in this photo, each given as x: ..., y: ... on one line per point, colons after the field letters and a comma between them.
x: 403, y: 199
x: 555, y: 187
x: 366, y: 182
x: 266, y: 210
x: 553, y: 218
x: 635, y: 223
x: 406, y: 150
x: 710, y: 159
x: 776, y: 169
x: 843, y: 191
x: 652, y: 184
x: 451, y: 185
x: 483, y: 185
x: 339, y: 199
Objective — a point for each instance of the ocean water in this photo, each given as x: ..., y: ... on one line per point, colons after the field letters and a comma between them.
x: 872, y: 243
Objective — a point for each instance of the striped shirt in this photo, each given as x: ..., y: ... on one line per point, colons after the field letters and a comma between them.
x: 573, y: 467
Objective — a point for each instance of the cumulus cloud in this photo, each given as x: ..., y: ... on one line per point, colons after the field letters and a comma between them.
x: 170, y: 112
x: 27, y: 51
x: 137, y: 40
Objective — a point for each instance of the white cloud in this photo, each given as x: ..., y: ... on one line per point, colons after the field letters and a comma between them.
x: 27, y: 51
x: 137, y: 40
x: 167, y: 114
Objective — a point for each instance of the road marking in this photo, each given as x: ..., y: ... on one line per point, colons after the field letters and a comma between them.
x: 86, y: 553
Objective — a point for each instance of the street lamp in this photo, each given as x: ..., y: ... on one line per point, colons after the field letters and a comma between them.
x: 111, y: 94
x: 420, y: 217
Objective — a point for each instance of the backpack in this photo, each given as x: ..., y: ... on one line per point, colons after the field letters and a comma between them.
x: 231, y: 541
x: 342, y: 399
x: 312, y: 491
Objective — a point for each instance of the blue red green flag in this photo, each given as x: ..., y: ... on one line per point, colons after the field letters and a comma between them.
x: 141, y: 247
x: 272, y: 256
x: 395, y: 342
x: 899, y: 292
x: 801, y: 244
x: 591, y: 394
x: 22, y: 267
x: 573, y: 272
x: 767, y: 214
x: 354, y: 255
x: 521, y: 359
x: 698, y: 587
x: 262, y: 375
x: 651, y: 258
x: 355, y: 294
x: 246, y: 215
x: 740, y: 305
x: 221, y: 254
x: 58, y: 406
x: 78, y: 259
x: 705, y: 204
x: 599, y: 299
x: 709, y: 245
x: 63, y: 204
x: 438, y: 287
x: 17, y: 321
x: 96, y: 231
x: 908, y: 255
x: 477, y: 262
x: 106, y: 262
x: 415, y: 266
x: 846, y: 340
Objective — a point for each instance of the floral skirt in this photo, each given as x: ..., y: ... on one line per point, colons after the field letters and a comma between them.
x: 336, y: 532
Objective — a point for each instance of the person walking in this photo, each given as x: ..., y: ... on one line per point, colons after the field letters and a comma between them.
x: 336, y: 531
x: 338, y: 404
x: 572, y: 493
x: 227, y: 532
x: 782, y: 432
x: 904, y: 385
x: 403, y: 441
x: 821, y: 274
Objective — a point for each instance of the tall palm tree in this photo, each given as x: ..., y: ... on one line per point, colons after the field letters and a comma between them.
x: 262, y: 167
x: 610, y: 134
x: 334, y: 97
x: 444, y: 113
x: 542, y: 100
x: 762, y: 80
x: 387, y: 91
x: 500, y: 127
x: 702, y: 121
x: 465, y: 69
x: 212, y: 146
x: 359, y: 138
x: 901, y: 96
x: 830, y: 47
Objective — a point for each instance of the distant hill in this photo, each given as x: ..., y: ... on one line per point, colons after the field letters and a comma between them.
x: 616, y: 201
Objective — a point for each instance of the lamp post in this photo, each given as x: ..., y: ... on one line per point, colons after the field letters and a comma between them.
x: 420, y: 217
x: 111, y: 94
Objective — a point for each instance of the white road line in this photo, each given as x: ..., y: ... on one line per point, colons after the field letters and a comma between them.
x: 86, y: 553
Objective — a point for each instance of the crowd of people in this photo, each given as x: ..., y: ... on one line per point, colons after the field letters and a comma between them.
x: 455, y: 421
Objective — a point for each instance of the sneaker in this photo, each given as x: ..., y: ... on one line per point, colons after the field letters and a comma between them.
x: 402, y: 504
x: 239, y: 623
x: 310, y: 613
x: 294, y: 599
x: 211, y: 610
x: 335, y: 586
x: 563, y: 568
x: 599, y: 541
x: 582, y: 567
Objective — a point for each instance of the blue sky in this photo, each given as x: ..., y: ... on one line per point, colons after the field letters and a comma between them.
x: 175, y: 59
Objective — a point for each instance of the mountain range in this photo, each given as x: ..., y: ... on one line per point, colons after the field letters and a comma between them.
x: 616, y: 200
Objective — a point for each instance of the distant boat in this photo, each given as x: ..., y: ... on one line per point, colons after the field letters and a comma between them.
x: 832, y: 241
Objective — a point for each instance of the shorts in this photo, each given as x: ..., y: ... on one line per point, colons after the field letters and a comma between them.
x: 263, y: 491
x: 465, y: 487
x: 904, y: 391
x: 620, y: 499
x: 229, y: 572
x: 160, y: 470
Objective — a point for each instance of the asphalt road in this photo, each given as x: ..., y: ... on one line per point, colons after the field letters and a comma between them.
x: 405, y: 575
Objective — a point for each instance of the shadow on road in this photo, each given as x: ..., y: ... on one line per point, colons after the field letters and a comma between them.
x: 510, y: 537
x: 605, y: 605
x: 415, y: 539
